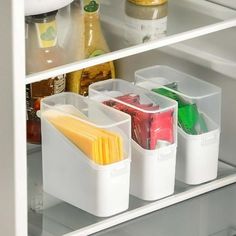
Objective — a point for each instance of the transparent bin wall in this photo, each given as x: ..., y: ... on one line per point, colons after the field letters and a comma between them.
x: 207, y: 96
x: 97, y: 114
x: 68, y: 174
x: 152, y: 171
x: 134, y: 100
x: 197, y: 155
x: 113, y: 88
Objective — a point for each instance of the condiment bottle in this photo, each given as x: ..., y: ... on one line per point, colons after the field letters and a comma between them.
x: 94, y: 45
x: 148, y: 2
x: 145, y: 23
x: 42, y: 53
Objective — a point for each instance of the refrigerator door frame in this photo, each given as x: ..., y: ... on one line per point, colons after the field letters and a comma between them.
x: 13, y: 170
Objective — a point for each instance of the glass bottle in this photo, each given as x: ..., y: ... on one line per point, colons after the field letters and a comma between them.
x: 42, y: 53
x: 94, y: 45
x: 145, y: 23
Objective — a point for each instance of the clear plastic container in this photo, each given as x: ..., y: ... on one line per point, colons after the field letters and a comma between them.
x: 154, y: 128
x: 199, y: 114
x: 95, y: 175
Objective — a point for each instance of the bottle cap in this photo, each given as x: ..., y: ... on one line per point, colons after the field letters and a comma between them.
x: 91, y: 7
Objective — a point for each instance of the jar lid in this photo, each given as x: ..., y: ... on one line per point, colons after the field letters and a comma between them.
x: 148, y: 2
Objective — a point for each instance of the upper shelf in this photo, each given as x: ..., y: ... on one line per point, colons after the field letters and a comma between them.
x: 127, y: 34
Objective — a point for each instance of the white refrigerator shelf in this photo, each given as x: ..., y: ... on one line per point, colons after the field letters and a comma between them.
x: 60, y: 218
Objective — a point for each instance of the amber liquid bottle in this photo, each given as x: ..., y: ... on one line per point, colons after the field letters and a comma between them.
x: 94, y: 45
x: 42, y: 53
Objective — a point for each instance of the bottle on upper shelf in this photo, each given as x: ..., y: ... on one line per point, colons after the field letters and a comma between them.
x: 145, y: 23
x: 42, y: 53
x: 94, y: 45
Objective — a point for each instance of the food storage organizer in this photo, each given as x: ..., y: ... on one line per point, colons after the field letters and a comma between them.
x: 86, y: 153
x: 154, y: 126
x: 199, y: 106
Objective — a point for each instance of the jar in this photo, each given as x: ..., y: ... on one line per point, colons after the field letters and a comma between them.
x: 148, y: 2
x: 145, y: 23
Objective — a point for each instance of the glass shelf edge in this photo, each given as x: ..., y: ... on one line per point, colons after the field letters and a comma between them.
x: 160, y: 204
x: 133, y: 50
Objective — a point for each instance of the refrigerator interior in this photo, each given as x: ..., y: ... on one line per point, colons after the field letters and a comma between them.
x: 187, y: 19
x: 211, y: 213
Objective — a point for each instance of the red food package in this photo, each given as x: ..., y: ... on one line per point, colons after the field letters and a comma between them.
x: 147, y: 128
x: 129, y: 98
x: 161, y: 128
x: 141, y: 129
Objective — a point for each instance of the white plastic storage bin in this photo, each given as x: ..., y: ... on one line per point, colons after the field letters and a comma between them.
x: 199, y: 109
x: 154, y: 129
x: 98, y: 184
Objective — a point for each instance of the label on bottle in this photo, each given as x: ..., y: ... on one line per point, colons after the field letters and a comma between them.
x: 36, y: 91
x: 59, y: 84
x: 47, y: 34
x: 140, y: 31
x: 79, y: 81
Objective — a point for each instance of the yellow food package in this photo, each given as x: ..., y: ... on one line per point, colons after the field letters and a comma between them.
x: 100, y: 145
